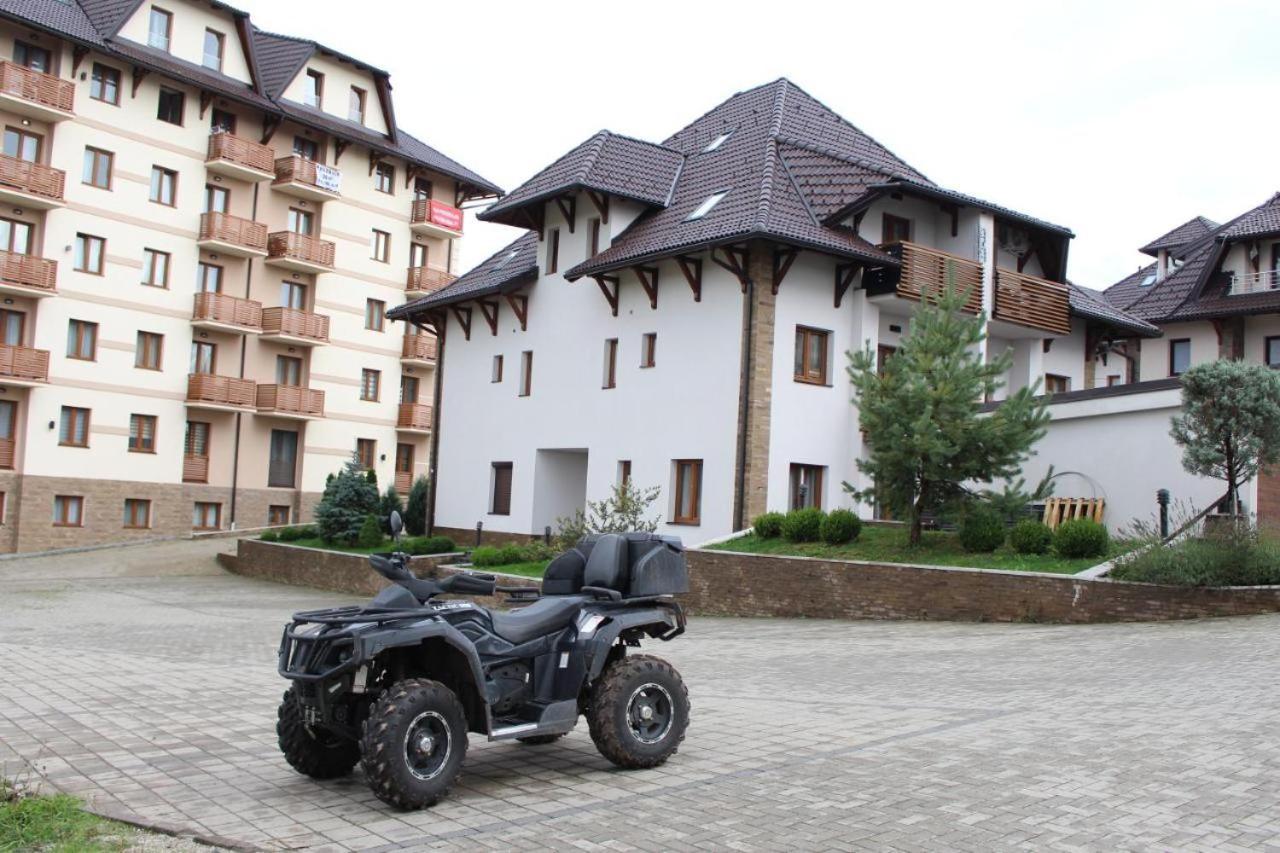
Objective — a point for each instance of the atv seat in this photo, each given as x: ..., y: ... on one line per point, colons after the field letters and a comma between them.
x: 544, y: 616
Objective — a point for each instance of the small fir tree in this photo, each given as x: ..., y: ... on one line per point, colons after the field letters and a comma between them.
x: 921, y: 412
x: 624, y: 511
x: 415, y: 514
x: 348, y: 498
x: 389, y: 503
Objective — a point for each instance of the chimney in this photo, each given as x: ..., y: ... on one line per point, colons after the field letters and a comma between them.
x: 1162, y: 264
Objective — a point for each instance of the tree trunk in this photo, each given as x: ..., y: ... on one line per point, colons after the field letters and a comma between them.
x: 917, y: 517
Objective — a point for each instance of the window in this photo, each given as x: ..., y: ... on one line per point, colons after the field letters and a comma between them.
x: 142, y: 433
x: 29, y: 56
x: 293, y: 295
x: 155, y: 268
x: 13, y: 327
x: 553, y: 251
x: 288, y: 370
x: 15, y: 236
x: 216, y: 199
x: 366, y: 452
x: 204, y: 357
x: 883, y: 354
x: 895, y: 229
x: 282, y: 466
x: 206, y: 516
x: 82, y: 340
x: 500, y: 492
x: 22, y: 144
x: 160, y: 28
x: 624, y: 471
x: 305, y: 148
x: 370, y: 384
x: 97, y: 168
x: 68, y: 511
x: 213, y: 41
x: 170, y: 106
x: 74, y: 427
x: 496, y: 373
x: 384, y: 178
x: 355, y: 108
x: 1113, y: 380
x: 381, y: 246
x: 300, y: 221
x: 421, y: 189
x: 89, y: 252
x: 149, y: 351
x: 418, y: 255
x: 1056, y: 384
x: 1272, y: 352
x: 408, y: 389
x: 105, y: 84
x: 717, y: 142
x: 806, y: 486
x: 197, y: 439
x: 222, y: 121
x: 1179, y: 356
x: 374, y: 309
x: 208, y: 278
x: 593, y: 236
x: 687, y: 507
x: 526, y: 373
x: 649, y: 349
x: 705, y: 208
x: 313, y: 95
x: 610, y: 363
x: 811, y: 355
x: 278, y: 514
x: 164, y: 185
x: 137, y: 514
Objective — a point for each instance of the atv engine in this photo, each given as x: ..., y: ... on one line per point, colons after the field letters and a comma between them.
x: 513, y: 683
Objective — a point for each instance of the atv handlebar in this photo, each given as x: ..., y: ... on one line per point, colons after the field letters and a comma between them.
x: 396, y: 568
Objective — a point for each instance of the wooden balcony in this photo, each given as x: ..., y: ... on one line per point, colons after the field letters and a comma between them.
x: 418, y: 349
x: 423, y: 280
x: 1031, y: 302
x: 232, y: 235
x: 299, y: 253
x: 35, y: 94
x: 222, y: 313
x: 927, y: 272
x: 30, y: 184
x: 8, y: 453
x: 23, y: 366
x: 302, y: 178
x: 404, y: 482
x: 27, y: 275
x: 435, y: 219
x: 236, y: 157
x: 290, y: 401
x: 220, y: 393
x: 295, y: 326
x: 414, y: 417
x: 195, y: 469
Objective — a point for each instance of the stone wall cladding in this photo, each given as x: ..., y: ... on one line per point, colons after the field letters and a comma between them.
x: 724, y: 583
x: 1268, y: 508
x: 759, y: 382
x: 466, y: 536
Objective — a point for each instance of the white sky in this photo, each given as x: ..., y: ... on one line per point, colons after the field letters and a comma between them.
x: 1119, y: 120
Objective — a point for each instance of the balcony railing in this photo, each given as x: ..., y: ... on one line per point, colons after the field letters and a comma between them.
x: 195, y: 469
x: 416, y: 416
x: 419, y: 347
x: 1033, y: 302
x: 8, y: 453
x: 220, y: 390
x: 299, y: 170
x: 289, y: 245
x: 426, y: 280
x: 39, y: 88
x: 29, y: 271
x: 24, y: 363
x: 296, y: 323
x: 404, y: 482
x: 927, y: 272
x: 32, y: 178
x: 229, y: 310
x: 236, y: 230
x: 428, y: 211
x: 234, y: 149
x: 1254, y: 282
x: 290, y: 399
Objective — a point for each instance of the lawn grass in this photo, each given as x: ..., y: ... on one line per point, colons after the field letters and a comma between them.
x: 319, y: 543
x: 889, y: 545
x: 532, y: 569
x: 57, y: 823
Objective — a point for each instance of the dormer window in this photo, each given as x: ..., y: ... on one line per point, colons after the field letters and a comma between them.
x: 159, y: 29
x: 355, y: 111
x: 895, y: 229
x: 705, y: 208
x: 314, y: 93
x: 717, y: 142
x: 213, y: 46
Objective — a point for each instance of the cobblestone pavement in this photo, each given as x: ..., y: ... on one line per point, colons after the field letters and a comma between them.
x: 144, y: 680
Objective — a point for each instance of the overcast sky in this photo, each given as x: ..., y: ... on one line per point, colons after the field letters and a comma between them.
x: 1119, y: 120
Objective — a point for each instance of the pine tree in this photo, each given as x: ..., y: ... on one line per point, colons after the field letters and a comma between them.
x: 389, y: 503
x: 415, y: 514
x: 921, y: 412
x: 348, y: 498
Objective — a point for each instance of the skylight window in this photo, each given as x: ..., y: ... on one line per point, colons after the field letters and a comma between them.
x: 718, y: 141
x: 1149, y: 280
x: 705, y: 207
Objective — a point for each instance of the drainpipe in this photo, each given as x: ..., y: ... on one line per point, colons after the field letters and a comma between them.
x: 744, y: 404
x: 437, y: 396
x: 244, y: 348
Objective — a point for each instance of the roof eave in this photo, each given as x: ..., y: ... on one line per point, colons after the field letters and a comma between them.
x: 500, y: 210
x: 409, y: 309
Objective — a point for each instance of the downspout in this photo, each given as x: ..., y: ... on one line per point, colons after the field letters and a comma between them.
x: 744, y: 403
x: 244, y: 347
x: 436, y: 397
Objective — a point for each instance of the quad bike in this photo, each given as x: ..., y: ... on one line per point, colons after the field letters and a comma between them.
x: 398, y: 683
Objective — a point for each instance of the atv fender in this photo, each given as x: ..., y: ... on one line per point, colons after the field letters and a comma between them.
x: 595, y: 639
x: 414, y: 635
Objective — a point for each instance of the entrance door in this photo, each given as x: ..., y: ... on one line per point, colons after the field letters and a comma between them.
x: 284, y: 459
x: 202, y: 357
x: 8, y: 429
x: 12, y: 326
x: 36, y: 58
x: 288, y: 370
x: 408, y: 389
x: 404, y: 468
x: 293, y: 295
x: 417, y: 255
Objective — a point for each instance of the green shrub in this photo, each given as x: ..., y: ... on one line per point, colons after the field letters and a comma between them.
x: 768, y: 525
x: 1228, y: 560
x: 292, y: 534
x: 981, y: 530
x: 387, y: 504
x: 415, y: 510
x: 534, y: 551
x: 484, y: 555
x: 802, y: 525
x: 348, y: 499
x: 1030, y: 537
x: 370, y: 532
x: 505, y: 555
x: 1081, y: 537
x: 840, y: 526
x: 269, y: 536
x: 428, y: 545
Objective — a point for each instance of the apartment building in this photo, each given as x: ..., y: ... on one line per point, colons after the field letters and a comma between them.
x: 677, y: 314
x: 204, y: 227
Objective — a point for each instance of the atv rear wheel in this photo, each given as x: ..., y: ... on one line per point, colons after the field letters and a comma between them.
x: 311, y: 751
x: 539, y: 740
x: 415, y: 739
x: 638, y: 711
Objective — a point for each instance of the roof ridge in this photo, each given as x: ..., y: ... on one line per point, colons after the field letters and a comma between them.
x: 853, y: 161
x: 770, y: 155
x: 795, y: 186
x: 595, y: 146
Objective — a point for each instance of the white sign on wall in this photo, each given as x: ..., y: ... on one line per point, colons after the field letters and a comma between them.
x: 328, y: 178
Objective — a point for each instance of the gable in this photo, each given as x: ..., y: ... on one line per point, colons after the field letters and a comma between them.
x: 190, y: 21
x: 339, y: 79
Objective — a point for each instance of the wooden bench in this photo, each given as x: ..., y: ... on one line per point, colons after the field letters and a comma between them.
x: 1058, y: 510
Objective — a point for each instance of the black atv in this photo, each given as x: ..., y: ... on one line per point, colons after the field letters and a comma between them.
x: 398, y: 683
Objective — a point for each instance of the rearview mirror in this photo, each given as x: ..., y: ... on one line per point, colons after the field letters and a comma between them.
x: 397, y: 524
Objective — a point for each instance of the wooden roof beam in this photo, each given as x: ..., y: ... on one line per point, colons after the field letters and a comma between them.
x: 691, y: 267
x: 783, y: 258
x: 601, y: 203
x: 844, y: 278
x: 489, y: 309
x: 609, y: 287
x: 649, y: 281
x: 520, y: 307
x: 463, y: 313
x: 734, y: 259
x: 568, y: 209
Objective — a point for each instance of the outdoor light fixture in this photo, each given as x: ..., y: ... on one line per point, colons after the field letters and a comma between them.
x: 53, y: 424
x: 8, y: 300
x: 26, y: 122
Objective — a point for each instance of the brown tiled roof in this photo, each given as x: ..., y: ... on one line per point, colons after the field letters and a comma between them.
x: 55, y: 15
x: 507, y: 269
x: 1191, y: 230
x: 1091, y: 305
x: 933, y: 191
x: 1131, y: 288
x: 280, y: 58
x: 189, y: 72
x: 1161, y: 300
x: 1262, y: 221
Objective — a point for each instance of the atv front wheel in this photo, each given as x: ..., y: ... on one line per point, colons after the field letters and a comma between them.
x: 415, y: 739
x: 638, y: 711
x: 311, y: 751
